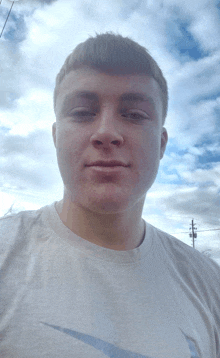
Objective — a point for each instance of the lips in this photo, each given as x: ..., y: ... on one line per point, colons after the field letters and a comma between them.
x: 111, y: 163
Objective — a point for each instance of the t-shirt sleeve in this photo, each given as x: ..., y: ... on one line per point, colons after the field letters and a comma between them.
x: 213, y: 296
x: 202, y: 274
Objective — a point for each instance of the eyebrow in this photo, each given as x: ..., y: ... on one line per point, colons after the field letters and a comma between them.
x: 84, y: 94
x: 92, y: 96
x: 137, y: 97
x: 81, y: 94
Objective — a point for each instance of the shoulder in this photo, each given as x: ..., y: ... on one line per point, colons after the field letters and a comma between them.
x: 190, y: 268
x: 185, y: 254
x: 11, y: 224
x: 16, y: 218
x: 17, y: 230
x: 185, y: 258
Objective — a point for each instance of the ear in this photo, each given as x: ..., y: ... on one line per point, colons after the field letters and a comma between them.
x: 164, y: 139
x: 54, y: 128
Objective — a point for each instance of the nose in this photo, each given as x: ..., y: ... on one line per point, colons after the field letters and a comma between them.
x: 107, y: 131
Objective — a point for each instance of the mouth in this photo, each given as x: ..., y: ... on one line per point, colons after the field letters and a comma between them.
x: 107, y: 164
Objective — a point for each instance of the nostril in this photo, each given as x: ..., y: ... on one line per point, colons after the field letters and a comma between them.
x: 116, y: 142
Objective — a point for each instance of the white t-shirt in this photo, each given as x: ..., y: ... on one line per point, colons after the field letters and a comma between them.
x: 63, y: 296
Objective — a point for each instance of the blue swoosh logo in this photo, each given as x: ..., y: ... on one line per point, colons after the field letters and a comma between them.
x: 193, y: 350
x: 109, y: 349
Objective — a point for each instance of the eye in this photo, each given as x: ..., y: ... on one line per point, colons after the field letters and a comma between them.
x: 82, y: 115
x: 135, y: 116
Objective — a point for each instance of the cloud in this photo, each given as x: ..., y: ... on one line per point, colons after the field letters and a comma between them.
x: 203, y: 177
x: 195, y: 202
x: 27, y: 161
x: 206, y: 24
x: 195, y: 102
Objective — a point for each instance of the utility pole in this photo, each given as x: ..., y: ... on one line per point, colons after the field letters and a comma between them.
x: 193, y: 234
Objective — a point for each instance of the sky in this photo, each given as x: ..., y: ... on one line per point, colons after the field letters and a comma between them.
x: 184, y: 38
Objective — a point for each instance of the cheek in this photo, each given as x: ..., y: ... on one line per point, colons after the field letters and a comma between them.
x: 69, y: 143
x: 67, y: 154
x: 148, y: 159
x: 148, y: 150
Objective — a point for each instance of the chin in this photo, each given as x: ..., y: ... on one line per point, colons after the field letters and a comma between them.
x: 109, y: 200
x: 110, y: 205
x: 106, y: 206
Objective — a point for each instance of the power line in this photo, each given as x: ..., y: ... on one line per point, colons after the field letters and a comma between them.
x: 207, y: 230
x: 186, y: 232
x: 6, y: 19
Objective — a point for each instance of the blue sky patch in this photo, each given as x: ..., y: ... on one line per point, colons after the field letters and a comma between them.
x: 17, y: 32
x: 180, y: 41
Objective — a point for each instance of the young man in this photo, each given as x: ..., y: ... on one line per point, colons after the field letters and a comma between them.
x: 87, y: 276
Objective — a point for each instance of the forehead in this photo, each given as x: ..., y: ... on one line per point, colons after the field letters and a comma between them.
x: 91, y: 85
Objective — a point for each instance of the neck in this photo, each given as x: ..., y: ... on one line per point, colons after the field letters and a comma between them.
x: 121, y: 231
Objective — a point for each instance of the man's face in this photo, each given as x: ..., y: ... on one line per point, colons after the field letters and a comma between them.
x: 103, y: 118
